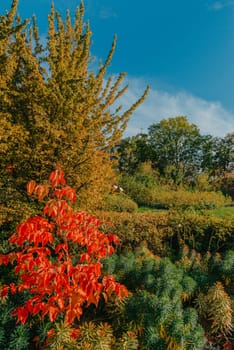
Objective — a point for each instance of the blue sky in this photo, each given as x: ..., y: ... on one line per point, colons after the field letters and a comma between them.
x: 184, y: 49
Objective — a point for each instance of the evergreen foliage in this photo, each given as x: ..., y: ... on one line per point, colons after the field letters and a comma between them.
x: 173, y: 304
x: 216, y: 307
x: 156, y: 310
x: 19, y: 338
x: 214, y: 295
x: 12, y: 336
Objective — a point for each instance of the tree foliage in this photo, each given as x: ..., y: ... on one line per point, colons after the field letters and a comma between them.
x: 132, y: 152
x: 218, y: 154
x: 175, y: 144
x: 55, y: 109
x: 179, y: 155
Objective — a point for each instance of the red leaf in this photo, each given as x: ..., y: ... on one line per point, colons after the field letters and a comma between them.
x: 85, y: 257
x: 75, y: 333
x: 61, y: 246
x: 113, y: 238
x: 227, y: 346
x: 22, y: 314
x: 36, y: 309
x: 4, y: 259
x: 4, y: 291
x: 48, y: 270
x: 53, y: 311
x: 60, y: 302
x: 70, y: 193
x: 57, y: 178
x: 13, y: 288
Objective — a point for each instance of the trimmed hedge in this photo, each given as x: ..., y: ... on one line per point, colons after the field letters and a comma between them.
x: 203, y: 232
x: 182, y: 199
x: 120, y: 203
x: 137, y: 227
x: 166, y: 232
x: 161, y: 196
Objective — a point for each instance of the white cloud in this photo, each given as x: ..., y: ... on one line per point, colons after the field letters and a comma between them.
x: 210, y: 116
x: 216, y: 6
x: 97, y: 9
x: 106, y: 13
x: 219, y: 5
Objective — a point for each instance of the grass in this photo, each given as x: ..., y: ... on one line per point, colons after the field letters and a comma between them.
x: 223, y: 211
x: 144, y: 209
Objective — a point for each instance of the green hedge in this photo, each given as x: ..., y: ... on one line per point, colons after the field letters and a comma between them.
x: 120, y: 203
x: 137, y: 227
x: 166, y: 232
x: 161, y: 196
x: 203, y: 231
x: 182, y: 199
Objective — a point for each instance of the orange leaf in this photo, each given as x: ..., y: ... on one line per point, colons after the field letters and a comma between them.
x: 41, y: 191
x: 93, y: 299
x: 31, y: 186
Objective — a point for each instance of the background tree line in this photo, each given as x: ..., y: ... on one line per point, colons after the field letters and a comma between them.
x: 178, y: 151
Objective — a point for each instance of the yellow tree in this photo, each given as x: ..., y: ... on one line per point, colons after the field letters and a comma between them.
x: 55, y: 110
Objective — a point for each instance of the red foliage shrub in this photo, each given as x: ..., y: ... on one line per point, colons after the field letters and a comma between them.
x: 59, y: 278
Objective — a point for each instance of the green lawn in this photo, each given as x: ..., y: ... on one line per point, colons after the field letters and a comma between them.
x: 144, y: 209
x: 223, y: 211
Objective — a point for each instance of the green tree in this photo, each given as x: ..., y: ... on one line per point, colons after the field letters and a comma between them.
x: 175, y: 147
x: 224, y: 155
x: 218, y: 154
x: 208, y: 146
x: 133, y: 151
x: 55, y: 110
x: 218, y: 162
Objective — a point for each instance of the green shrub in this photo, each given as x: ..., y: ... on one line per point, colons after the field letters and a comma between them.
x: 120, y: 203
x: 144, y: 190
x: 155, y: 309
x: 183, y: 199
x: 139, y: 188
x: 214, y: 294
x: 202, y: 232
x: 93, y: 336
x: 165, y: 232
x: 170, y: 302
x: 137, y: 227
